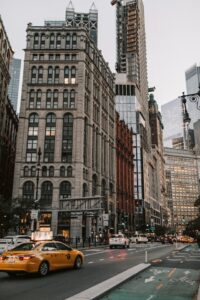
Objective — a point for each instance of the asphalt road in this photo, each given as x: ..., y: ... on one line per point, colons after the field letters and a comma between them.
x: 100, y: 264
x: 176, y: 277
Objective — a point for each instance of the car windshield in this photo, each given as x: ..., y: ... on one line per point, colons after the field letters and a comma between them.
x: 24, y: 246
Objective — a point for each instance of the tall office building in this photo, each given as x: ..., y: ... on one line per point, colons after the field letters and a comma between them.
x: 67, y: 112
x: 182, y: 185
x: 172, y: 116
x: 132, y: 98
x: 13, y: 88
x: 192, y: 76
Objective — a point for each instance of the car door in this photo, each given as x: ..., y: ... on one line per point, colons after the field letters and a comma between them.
x: 65, y: 253
x: 49, y: 252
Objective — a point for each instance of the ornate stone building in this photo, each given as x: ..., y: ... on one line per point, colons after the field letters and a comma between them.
x: 124, y: 176
x: 8, y: 129
x: 68, y: 112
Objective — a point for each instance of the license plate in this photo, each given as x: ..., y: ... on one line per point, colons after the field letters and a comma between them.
x: 11, y: 260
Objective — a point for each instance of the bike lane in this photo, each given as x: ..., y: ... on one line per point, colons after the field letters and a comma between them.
x: 175, y: 278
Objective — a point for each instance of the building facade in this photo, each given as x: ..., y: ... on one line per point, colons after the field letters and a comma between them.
x: 13, y: 88
x: 132, y: 96
x: 68, y: 111
x: 124, y: 177
x: 159, y: 212
x: 8, y: 129
x: 182, y: 185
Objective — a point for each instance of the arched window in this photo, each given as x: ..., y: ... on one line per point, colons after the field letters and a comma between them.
x: 73, y: 75
x: 46, y: 194
x: 94, y: 185
x: 58, y: 41
x: 66, y: 75
x: 28, y: 191
x: 31, y: 99
x: 65, y: 190
x: 51, y: 171
x: 33, y: 171
x: 67, y: 138
x: 50, y: 75
x: 85, y: 190
x: 31, y: 150
x: 103, y: 188
x: 42, y: 41
x: 52, y: 41
x: 69, y: 171
x: 33, y: 74
x: 68, y: 41
x: 56, y: 75
x: 40, y: 74
x: 55, y: 99
x: 48, y: 98
x: 72, y: 99
x: 62, y: 171
x: 36, y: 41
x: 38, y: 98
x: 65, y: 99
x: 49, y: 145
x: 34, y: 119
x: 74, y: 41
x: 26, y: 171
x: 44, y: 171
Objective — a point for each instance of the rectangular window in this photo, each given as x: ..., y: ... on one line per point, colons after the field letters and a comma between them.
x: 31, y: 157
x: 32, y: 144
x: 33, y: 131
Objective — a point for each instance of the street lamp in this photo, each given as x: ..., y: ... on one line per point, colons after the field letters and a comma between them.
x: 195, y: 98
x: 37, y: 176
x: 192, y: 98
x: 34, y: 212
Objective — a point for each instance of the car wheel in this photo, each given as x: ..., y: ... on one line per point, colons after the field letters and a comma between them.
x: 128, y: 245
x: 111, y: 247
x: 43, y: 268
x: 78, y: 262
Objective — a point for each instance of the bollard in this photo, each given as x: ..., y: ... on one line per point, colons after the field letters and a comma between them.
x: 146, y: 260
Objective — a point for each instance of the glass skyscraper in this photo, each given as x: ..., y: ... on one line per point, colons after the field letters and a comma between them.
x: 13, y: 88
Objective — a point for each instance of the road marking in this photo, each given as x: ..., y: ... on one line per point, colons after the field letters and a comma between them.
x: 172, y: 272
x: 187, y: 272
x: 149, y: 279
x: 156, y: 260
x: 89, y: 254
x: 90, y: 262
x: 101, y: 258
x: 151, y: 297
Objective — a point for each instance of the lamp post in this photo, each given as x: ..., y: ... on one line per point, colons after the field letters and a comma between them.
x: 34, y: 212
x: 195, y: 98
x: 38, y: 175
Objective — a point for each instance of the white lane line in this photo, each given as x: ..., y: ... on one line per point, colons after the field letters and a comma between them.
x: 151, y: 297
x: 101, y: 288
x: 90, y: 262
x: 90, y: 254
x: 101, y: 259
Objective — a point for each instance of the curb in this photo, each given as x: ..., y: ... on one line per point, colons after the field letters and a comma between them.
x: 102, y: 288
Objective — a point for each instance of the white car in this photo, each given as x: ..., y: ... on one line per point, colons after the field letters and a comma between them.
x: 139, y: 238
x: 5, y: 244
x: 17, y: 239
x: 119, y: 240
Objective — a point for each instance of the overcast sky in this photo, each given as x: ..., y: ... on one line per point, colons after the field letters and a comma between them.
x: 172, y: 33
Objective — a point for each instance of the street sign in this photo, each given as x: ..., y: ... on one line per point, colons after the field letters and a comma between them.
x: 34, y: 214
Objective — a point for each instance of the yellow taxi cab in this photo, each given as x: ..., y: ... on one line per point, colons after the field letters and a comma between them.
x: 40, y: 257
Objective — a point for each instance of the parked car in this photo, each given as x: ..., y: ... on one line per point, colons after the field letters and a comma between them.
x: 139, y: 238
x: 40, y: 257
x: 5, y: 245
x: 119, y: 240
x: 17, y: 239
